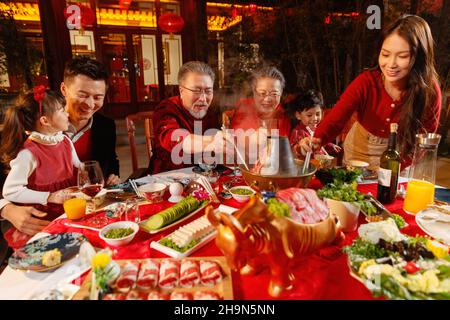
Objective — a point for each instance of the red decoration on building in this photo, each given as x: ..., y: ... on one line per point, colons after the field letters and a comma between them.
x: 170, y: 22
x: 252, y: 7
x: 327, y: 19
x: 87, y: 15
x: 234, y: 12
x: 124, y: 4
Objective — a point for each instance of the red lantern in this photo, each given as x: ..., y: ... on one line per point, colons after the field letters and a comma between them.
x: 124, y: 4
x: 252, y: 7
x: 170, y: 22
x: 234, y: 12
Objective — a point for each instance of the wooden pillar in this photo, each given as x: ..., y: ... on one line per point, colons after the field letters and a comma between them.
x: 160, y: 54
x: 195, y: 33
x: 56, y: 39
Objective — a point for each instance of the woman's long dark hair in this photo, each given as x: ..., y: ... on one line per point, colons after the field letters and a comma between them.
x: 21, y: 117
x: 422, y: 79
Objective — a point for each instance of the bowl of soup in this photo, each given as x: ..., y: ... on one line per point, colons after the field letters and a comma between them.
x: 242, y: 193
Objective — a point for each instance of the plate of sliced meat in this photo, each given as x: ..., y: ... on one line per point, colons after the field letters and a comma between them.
x: 205, y: 278
x: 304, y: 205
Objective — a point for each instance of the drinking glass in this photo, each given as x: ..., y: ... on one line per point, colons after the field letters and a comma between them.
x: 90, y: 178
x: 208, y: 167
x: 132, y: 212
x: 90, y: 182
x: 420, y: 188
x: 419, y: 194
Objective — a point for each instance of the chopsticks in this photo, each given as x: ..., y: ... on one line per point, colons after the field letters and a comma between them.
x: 209, y: 188
x: 311, y: 133
x: 235, y: 148
x: 308, y: 155
x: 135, y: 188
x: 74, y: 225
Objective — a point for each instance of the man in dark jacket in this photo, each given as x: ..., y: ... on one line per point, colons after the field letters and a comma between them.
x: 93, y: 135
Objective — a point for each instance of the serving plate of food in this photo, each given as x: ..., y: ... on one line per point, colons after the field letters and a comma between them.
x: 201, y: 278
x: 186, y: 239
x: 435, y: 221
x: 399, y: 267
x: 173, y: 215
x: 47, y: 253
x: 376, y: 211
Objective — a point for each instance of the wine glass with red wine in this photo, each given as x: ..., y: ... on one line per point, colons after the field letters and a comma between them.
x: 91, y: 181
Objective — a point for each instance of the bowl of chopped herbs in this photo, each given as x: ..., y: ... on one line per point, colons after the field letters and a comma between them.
x: 119, y: 233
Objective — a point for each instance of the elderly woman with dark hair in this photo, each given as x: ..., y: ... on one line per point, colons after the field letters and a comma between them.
x: 264, y: 109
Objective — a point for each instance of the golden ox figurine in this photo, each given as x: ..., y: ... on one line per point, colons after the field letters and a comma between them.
x: 253, y: 238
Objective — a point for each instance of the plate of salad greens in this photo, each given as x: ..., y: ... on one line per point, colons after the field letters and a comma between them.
x: 347, y: 193
x: 381, y: 213
x: 338, y: 175
x: 399, y: 267
x: 372, y: 209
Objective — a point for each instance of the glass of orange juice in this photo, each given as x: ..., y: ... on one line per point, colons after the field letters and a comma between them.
x: 419, y: 194
x: 75, y: 208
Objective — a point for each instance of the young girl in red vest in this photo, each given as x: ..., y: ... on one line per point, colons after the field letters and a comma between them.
x: 307, y: 110
x: 41, y: 158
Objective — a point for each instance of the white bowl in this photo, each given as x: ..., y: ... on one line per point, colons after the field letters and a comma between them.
x: 119, y: 241
x: 347, y: 212
x: 241, y: 197
x: 325, y: 160
x: 357, y: 164
x: 153, y: 192
x: 98, y: 199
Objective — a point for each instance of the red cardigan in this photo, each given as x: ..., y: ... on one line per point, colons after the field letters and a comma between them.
x: 169, y: 116
x: 375, y: 109
x: 299, y: 132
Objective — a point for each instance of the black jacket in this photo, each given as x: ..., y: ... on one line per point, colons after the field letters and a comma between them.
x: 103, y: 134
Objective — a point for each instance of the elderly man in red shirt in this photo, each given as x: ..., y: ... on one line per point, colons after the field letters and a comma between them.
x: 184, y: 126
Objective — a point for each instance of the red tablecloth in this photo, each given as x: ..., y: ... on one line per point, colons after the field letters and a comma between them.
x: 322, y: 275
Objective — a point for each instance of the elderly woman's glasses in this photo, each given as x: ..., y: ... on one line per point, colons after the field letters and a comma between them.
x: 199, y: 92
x: 265, y: 94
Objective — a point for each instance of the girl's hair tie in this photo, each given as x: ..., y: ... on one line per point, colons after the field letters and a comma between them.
x: 39, y: 95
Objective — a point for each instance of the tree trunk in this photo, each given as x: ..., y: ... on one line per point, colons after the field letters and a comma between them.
x: 315, y: 59
x: 335, y: 72
x: 414, y: 6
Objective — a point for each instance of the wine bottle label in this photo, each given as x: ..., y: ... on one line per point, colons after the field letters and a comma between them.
x: 384, y: 177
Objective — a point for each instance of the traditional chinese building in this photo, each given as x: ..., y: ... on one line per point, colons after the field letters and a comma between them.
x: 143, y: 43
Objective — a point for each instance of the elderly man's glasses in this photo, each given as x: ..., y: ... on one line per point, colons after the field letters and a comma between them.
x: 199, y: 92
x: 265, y: 94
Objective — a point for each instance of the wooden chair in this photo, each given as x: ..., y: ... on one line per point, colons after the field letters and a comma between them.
x: 227, y: 115
x: 146, y: 118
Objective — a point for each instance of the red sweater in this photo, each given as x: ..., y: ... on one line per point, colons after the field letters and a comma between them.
x: 169, y: 116
x: 299, y: 132
x: 375, y: 109
x: 246, y: 117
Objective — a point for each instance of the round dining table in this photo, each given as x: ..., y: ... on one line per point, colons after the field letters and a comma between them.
x: 321, y: 275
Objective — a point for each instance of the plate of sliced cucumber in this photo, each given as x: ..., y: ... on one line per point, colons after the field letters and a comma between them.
x: 174, y: 215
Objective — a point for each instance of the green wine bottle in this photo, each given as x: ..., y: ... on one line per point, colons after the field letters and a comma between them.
x: 389, y: 169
